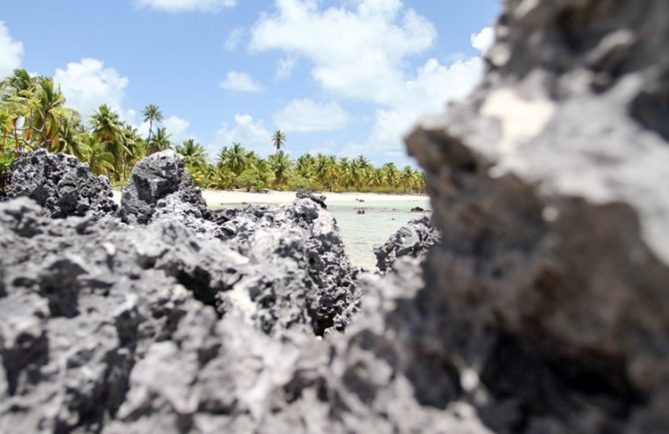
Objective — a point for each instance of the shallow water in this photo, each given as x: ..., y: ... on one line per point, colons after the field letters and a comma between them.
x: 361, y: 232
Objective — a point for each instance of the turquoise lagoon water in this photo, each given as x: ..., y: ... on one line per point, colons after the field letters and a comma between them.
x: 361, y: 232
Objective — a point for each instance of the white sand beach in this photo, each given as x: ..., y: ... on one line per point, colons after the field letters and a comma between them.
x: 218, y: 198
x: 223, y: 198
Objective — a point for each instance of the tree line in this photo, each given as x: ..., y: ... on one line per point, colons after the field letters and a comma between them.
x: 33, y: 114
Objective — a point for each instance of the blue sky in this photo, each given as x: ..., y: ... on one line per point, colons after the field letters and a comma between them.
x: 346, y: 77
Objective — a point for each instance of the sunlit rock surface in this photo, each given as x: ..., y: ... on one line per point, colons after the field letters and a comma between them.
x: 544, y: 309
x: 61, y: 184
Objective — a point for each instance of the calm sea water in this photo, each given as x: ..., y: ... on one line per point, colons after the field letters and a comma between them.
x: 361, y: 232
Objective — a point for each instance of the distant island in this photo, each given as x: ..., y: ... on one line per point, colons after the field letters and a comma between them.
x: 34, y: 114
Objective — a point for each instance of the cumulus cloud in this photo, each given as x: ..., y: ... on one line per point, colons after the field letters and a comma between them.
x: 433, y: 85
x: 355, y: 52
x: 175, y: 6
x: 234, y: 38
x: 251, y: 134
x: 88, y: 84
x: 305, y: 115
x: 360, y: 50
x: 237, y: 81
x: 483, y: 40
x: 11, y: 52
x: 177, y: 127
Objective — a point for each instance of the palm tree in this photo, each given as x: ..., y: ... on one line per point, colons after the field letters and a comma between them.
x: 151, y: 114
x: 20, y: 80
x: 159, y: 142
x: 221, y: 177
x: 108, y: 130
x: 263, y: 172
x: 6, y: 127
x: 100, y: 160
x: 194, y: 154
x: 17, y: 94
x: 362, y: 172
x: 390, y: 174
x: 49, y: 112
x: 281, y: 167
x: 135, y: 144
x: 70, y: 139
x: 235, y: 158
x: 278, y: 140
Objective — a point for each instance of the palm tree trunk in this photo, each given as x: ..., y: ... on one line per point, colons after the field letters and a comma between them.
x: 16, y: 136
x: 148, y: 139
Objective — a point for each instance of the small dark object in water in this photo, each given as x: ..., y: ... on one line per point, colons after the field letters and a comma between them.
x: 361, y: 211
x: 417, y: 209
x: 360, y: 200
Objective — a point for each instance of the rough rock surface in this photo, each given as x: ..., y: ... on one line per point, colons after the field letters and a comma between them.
x: 61, y: 184
x: 548, y: 184
x: 118, y: 329
x: 306, y: 194
x: 160, y: 181
x: 300, y: 248
x: 544, y: 310
x: 413, y: 239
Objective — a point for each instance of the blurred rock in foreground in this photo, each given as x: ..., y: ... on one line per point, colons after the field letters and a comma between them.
x: 549, y: 185
x: 543, y: 310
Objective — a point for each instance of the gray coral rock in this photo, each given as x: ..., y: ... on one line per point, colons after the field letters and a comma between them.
x: 544, y: 309
x: 300, y: 248
x: 413, y: 239
x: 158, y: 181
x: 549, y: 187
x: 61, y: 184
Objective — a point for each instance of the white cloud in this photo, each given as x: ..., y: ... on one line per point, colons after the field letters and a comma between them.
x: 175, y: 6
x: 234, y: 38
x: 356, y: 52
x: 240, y: 82
x: 360, y: 50
x: 177, y: 128
x: 251, y: 134
x: 483, y: 40
x: 11, y: 52
x: 428, y: 92
x: 305, y: 115
x: 89, y: 84
x: 285, y: 67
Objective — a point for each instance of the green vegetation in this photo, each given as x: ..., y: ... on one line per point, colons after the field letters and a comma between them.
x: 33, y: 115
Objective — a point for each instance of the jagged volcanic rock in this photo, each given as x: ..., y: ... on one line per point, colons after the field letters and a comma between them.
x: 543, y: 310
x: 61, y: 184
x: 92, y: 307
x: 300, y: 242
x: 160, y: 181
x: 413, y: 239
x: 548, y: 184
x: 119, y: 329
x: 306, y: 194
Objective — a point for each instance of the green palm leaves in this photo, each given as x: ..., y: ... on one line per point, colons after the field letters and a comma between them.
x: 33, y: 113
x: 151, y: 114
x: 278, y: 140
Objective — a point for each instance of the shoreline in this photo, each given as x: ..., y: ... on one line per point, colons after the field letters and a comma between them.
x: 219, y: 198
